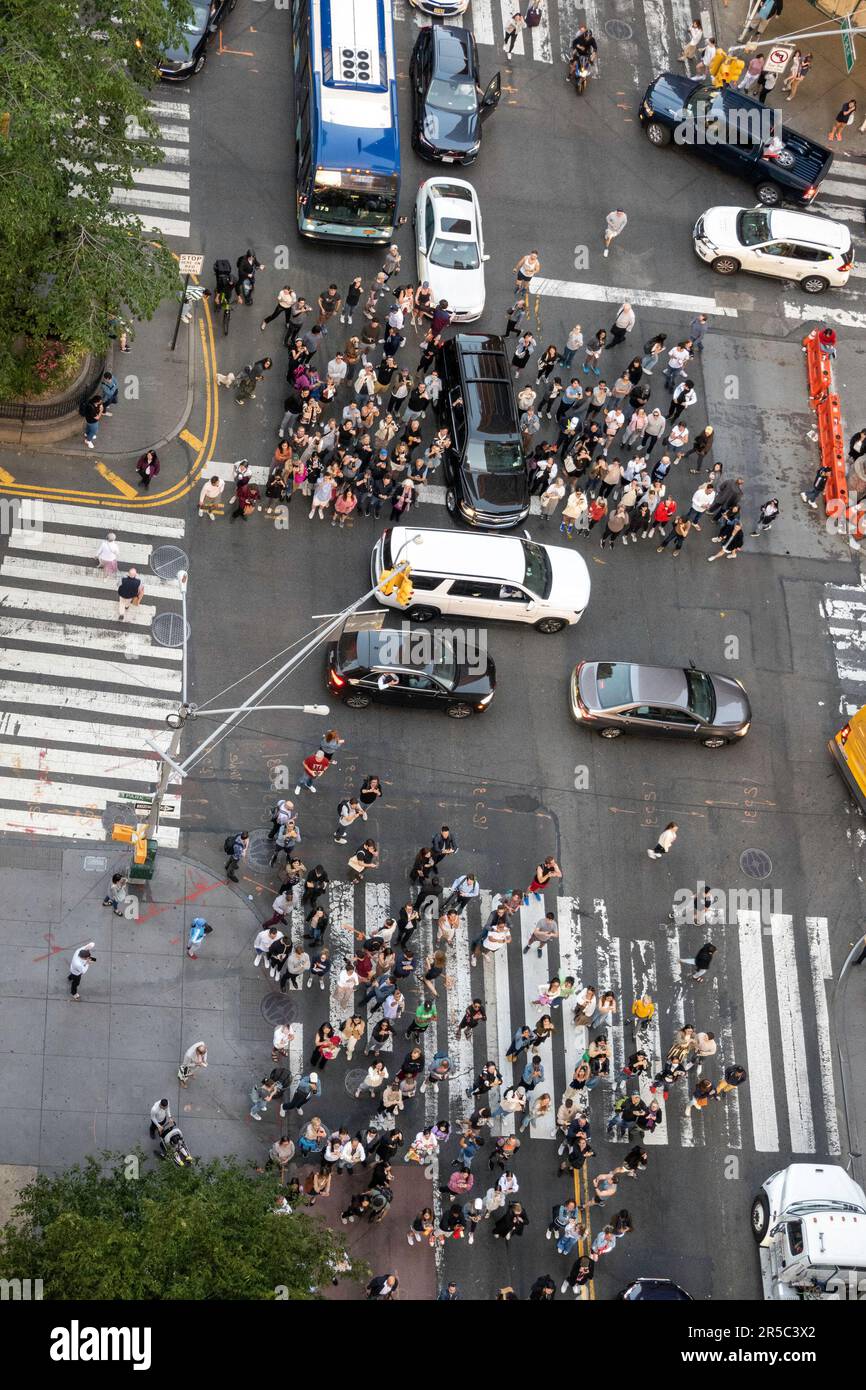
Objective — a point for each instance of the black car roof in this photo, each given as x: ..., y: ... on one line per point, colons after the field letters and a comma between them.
x: 482, y: 357
x: 452, y: 51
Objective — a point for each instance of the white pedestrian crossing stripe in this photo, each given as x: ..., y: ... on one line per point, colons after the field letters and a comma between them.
x: 160, y: 198
x: 80, y: 690
x: 771, y: 996
x: 843, y: 609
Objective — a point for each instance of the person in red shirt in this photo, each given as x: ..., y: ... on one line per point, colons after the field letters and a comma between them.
x: 597, y: 510
x: 314, y: 766
x: 664, y: 512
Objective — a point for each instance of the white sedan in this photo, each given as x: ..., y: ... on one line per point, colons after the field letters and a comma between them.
x: 450, y: 243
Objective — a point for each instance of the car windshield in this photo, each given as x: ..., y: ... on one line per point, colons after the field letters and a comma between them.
x: 454, y: 255
x: 819, y: 1204
x: 613, y: 682
x: 452, y: 96
x: 492, y: 456
x: 539, y: 575
x: 200, y: 14
x: 356, y: 200
x: 702, y: 696
x: 753, y: 227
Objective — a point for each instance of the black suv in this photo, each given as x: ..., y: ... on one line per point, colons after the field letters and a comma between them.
x: 485, y: 470
x: 733, y: 131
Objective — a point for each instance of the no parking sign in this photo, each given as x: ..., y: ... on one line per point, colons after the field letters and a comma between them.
x: 777, y: 59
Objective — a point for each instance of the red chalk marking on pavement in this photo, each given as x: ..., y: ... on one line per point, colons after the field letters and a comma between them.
x: 52, y: 949
x: 175, y: 941
x: 198, y: 891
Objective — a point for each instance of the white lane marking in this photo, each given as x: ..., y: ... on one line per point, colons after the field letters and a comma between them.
x: 176, y: 110
x: 82, y: 547
x: 610, y: 978
x: 682, y: 16
x: 482, y: 21
x: 460, y: 1050
x: 536, y: 974
x: 174, y: 154
x: 22, y: 757
x: 761, y: 1085
x: 132, y: 644
x: 823, y: 313
x: 160, y: 178
x: 88, y: 668
x: 73, y: 605
x: 169, y: 226
x: 644, y: 980
x: 571, y: 963
x: 682, y: 1091
x: 844, y: 190
x: 617, y: 294
x: 34, y: 792
x: 177, y: 134
x: 42, y: 728
x: 109, y: 519
x: 141, y: 706
x: 18, y: 822
x: 657, y: 34
x: 627, y: 48
x: 849, y: 673
x: 49, y: 571
x: 822, y: 969
x: 507, y: 8
x: 141, y: 198
x: 841, y: 212
x: 726, y: 1056
x: 541, y: 48
x: 848, y: 637
x: 796, y: 1068
x: 497, y: 1030
x: 340, y: 938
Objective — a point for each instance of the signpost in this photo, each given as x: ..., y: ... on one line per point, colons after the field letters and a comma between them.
x: 847, y: 43
x: 188, y: 263
x: 777, y: 59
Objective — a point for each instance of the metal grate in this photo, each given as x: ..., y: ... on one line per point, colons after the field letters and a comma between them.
x: 251, y: 1026
x: 167, y: 561
x: 169, y: 630
x: 756, y: 863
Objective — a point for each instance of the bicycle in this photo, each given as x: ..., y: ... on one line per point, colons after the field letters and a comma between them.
x: 222, y: 300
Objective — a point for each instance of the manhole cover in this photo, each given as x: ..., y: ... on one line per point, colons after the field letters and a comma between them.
x: 756, y: 863
x: 354, y: 1078
x: 276, y: 1008
x: 261, y: 850
x: 167, y: 561
x: 617, y: 29
x: 169, y: 630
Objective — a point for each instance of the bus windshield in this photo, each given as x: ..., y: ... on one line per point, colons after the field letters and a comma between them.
x: 358, y: 200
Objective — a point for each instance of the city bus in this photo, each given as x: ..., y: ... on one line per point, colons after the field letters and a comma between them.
x: 348, y: 143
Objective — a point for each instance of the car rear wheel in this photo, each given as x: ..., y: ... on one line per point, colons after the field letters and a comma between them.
x: 550, y: 625
x: 422, y: 615
x: 814, y: 284
x: 200, y: 62
x: 357, y: 701
x: 458, y: 711
x: 658, y: 134
x: 770, y: 194
x: 451, y: 500
x: 760, y: 1220
x: 726, y: 265
x: 717, y: 742
x: 610, y: 733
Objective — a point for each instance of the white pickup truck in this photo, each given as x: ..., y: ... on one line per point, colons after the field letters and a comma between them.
x: 809, y: 1221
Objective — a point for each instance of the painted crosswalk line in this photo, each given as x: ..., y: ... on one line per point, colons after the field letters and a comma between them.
x: 765, y: 1129
x: 618, y: 294
x: 72, y: 673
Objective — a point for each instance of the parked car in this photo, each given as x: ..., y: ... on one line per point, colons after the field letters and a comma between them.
x: 733, y: 130
x: 618, y: 697
x: 487, y: 481
x: 655, y: 1291
x: 446, y: 9
x: 397, y: 664
x: 450, y: 244
x: 190, y: 56
x: 814, y: 251
x: 448, y: 105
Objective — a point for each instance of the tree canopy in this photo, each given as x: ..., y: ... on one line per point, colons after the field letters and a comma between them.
x: 115, y: 1229
x: 74, y: 89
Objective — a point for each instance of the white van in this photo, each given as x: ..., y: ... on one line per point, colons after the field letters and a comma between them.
x: 809, y: 1221
x: 465, y: 574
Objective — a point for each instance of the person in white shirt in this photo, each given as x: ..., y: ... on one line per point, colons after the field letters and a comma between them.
x: 706, y: 1047
x: 337, y: 370
x: 702, y: 500
x: 665, y: 841
x: 393, y: 1006
x: 79, y: 966
x: 677, y: 359
x: 284, y: 1036
x: 678, y: 437
x: 194, y: 1057
x: 160, y: 1116
x: 615, y: 223
x: 348, y: 981
x: 692, y: 42
x: 377, y: 1075
x: 108, y: 555
x: 281, y: 906
x: 263, y: 943
x: 209, y: 497
x: 351, y: 1153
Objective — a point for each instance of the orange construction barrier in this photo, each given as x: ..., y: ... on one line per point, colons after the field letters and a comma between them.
x: 828, y: 416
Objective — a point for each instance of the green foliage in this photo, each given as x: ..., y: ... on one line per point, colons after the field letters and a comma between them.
x: 205, y: 1232
x: 74, y: 79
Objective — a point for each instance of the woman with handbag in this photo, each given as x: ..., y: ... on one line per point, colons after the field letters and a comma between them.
x: 364, y: 858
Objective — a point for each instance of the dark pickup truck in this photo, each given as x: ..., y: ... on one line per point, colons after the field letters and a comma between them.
x: 734, y: 131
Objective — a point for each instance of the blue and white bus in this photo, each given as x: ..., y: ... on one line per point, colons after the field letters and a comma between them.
x: 348, y: 143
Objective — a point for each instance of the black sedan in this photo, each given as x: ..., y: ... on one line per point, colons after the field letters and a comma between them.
x: 618, y: 697
x: 654, y: 1291
x: 427, y: 668
x: 190, y: 56
x: 448, y: 105
x: 733, y: 130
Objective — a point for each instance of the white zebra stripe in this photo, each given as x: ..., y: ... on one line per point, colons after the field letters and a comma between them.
x: 55, y: 543
x: 796, y: 1063
x: 109, y: 519
x: 761, y: 1093
x: 43, y: 729
x: 88, y: 669
x: 536, y: 974
x: 142, y: 707
x: 130, y: 645
x: 822, y: 970
x: 24, y: 757
x: 73, y: 605
x: 81, y: 576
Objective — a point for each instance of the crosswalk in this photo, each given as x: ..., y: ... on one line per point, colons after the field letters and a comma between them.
x: 767, y: 1007
x: 80, y: 691
x: 843, y: 609
x: 160, y: 198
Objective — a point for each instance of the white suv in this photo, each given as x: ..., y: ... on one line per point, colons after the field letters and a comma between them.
x: 814, y: 251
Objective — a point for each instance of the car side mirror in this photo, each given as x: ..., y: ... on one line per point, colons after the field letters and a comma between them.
x: 485, y: 258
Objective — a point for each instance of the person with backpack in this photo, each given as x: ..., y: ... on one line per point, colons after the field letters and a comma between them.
x: 198, y: 930
x: 236, y: 847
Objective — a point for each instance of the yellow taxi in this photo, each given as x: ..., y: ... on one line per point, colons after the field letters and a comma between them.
x: 848, y: 748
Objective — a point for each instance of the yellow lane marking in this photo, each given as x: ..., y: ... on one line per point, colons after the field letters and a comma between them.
x: 190, y: 439
x: 6, y: 477
x: 123, y: 487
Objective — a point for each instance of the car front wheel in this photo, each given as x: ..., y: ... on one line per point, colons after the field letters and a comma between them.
x: 716, y: 742
x: 760, y: 1220
x: 549, y: 625
x: 726, y: 265
x: 357, y: 701
x: 610, y: 733
x: 422, y: 615
x: 814, y: 284
x: 658, y: 134
x: 451, y: 500
x: 458, y: 711
x: 200, y: 62
x: 770, y: 194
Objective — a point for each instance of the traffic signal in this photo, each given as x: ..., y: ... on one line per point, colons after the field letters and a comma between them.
x: 388, y: 582
x: 719, y: 58
x: 730, y: 71
x: 405, y: 589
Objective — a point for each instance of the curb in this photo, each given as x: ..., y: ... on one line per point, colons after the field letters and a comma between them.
x: 841, y: 1008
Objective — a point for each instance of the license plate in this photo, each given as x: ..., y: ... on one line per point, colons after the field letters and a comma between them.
x: 448, y: 158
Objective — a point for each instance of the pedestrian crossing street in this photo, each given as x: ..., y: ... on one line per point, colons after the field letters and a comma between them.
x: 767, y: 1005
x: 80, y: 691
x: 843, y: 609
x: 160, y: 198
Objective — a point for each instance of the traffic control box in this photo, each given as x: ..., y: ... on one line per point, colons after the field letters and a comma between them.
x: 145, y: 869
